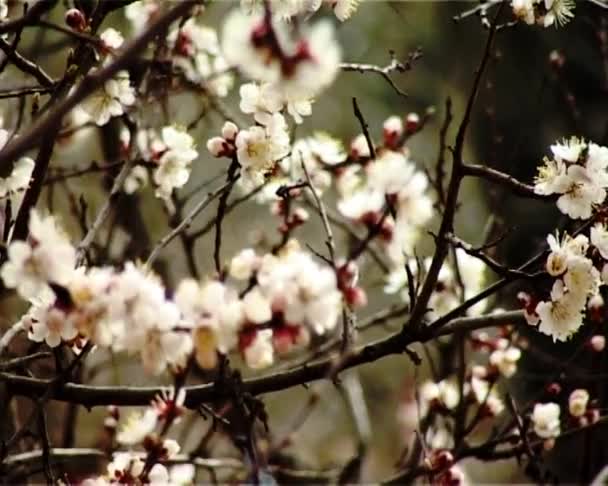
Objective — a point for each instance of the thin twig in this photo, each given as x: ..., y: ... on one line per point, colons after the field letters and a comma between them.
x: 186, y: 222
x: 119, y: 181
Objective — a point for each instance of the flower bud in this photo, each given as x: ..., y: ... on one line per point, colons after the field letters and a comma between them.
x: 75, y: 19
x: 392, y: 131
x: 217, y: 146
x: 577, y: 402
x: 412, y: 123
x: 229, y: 131
x: 597, y: 343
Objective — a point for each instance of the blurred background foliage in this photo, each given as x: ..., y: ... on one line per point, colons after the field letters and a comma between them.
x: 530, y: 98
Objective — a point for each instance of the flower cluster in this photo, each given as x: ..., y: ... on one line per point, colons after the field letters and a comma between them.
x: 196, y: 51
x: 576, y: 280
x: 172, y: 152
x: 387, y: 192
x: 292, y: 292
x: 578, y: 174
x: 288, y: 297
x: 257, y: 148
x: 544, y: 12
x: 131, y: 467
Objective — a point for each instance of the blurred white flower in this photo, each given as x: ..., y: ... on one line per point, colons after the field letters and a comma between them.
x: 215, y: 314
x: 111, y: 38
x: 196, y: 52
x: 19, y: 178
x: 177, y: 153
x: 48, y: 257
x: 506, y: 360
x: 545, y: 419
x: 266, y: 50
x: 137, y: 179
x: 3, y: 10
x: 259, y: 353
x: 137, y: 427
x: 577, y: 402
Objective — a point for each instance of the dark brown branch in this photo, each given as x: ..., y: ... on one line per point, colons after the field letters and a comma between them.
x: 447, y: 221
x: 509, y: 182
x: 26, y: 65
x: 91, y: 396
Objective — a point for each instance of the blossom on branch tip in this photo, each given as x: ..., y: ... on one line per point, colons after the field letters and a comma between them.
x: 578, y: 174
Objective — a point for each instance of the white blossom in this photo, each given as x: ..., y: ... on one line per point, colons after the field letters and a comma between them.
x: 559, y: 12
x: 19, y: 178
x: 3, y: 10
x: 260, y: 352
x: 298, y: 67
x: 111, y: 38
x: 577, y: 402
x: 545, y: 419
x: 561, y: 316
x: 48, y: 257
x: 141, y: 12
x: 137, y: 427
x: 196, y: 51
x: 110, y: 100
x: 259, y: 148
x: 173, y: 169
x: 215, y: 314
x: 506, y: 360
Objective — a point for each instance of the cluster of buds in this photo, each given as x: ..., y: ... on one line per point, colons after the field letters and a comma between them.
x: 394, y: 129
x: 224, y: 146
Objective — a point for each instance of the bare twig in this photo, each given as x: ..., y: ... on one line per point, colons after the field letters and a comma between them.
x: 394, y: 66
x: 186, y: 222
x: 117, y: 186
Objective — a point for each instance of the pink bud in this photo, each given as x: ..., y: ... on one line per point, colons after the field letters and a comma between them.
x: 553, y: 388
x: 229, y: 131
x: 356, y: 297
x: 597, y: 343
x: 75, y: 19
x: 392, y: 131
x: 412, y: 122
x: 217, y: 146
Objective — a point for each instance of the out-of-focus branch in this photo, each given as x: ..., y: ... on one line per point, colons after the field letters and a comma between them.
x: 25, y: 65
